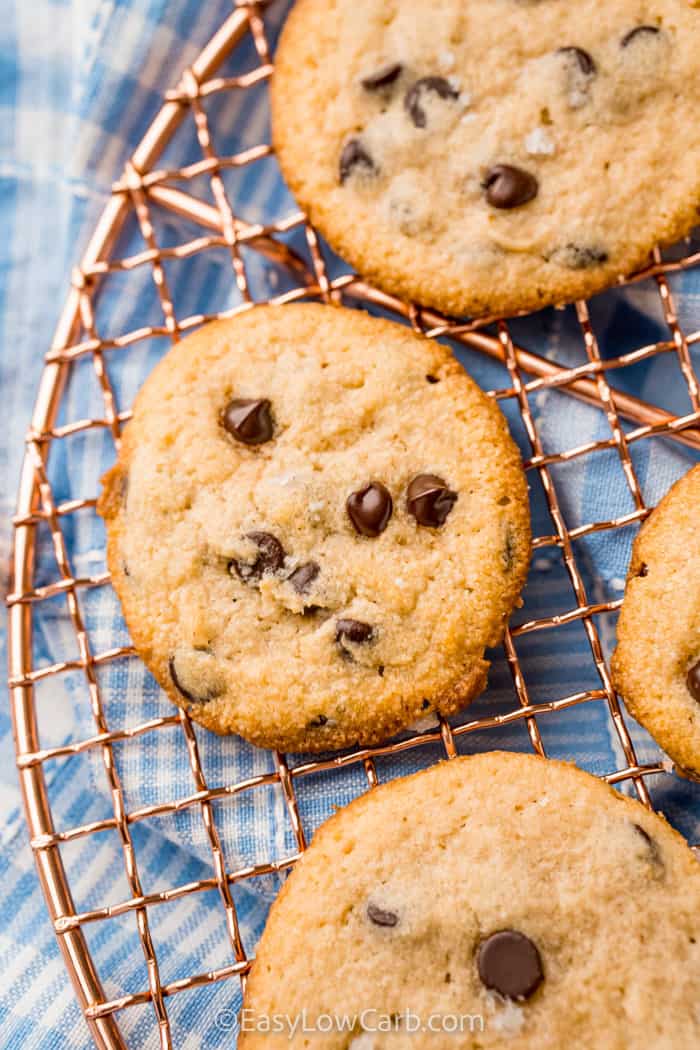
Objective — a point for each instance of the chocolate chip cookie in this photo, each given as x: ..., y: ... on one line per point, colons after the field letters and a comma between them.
x: 317, y: 524
x: 491, y: 157
x: 501, y: 900
x: 656, y: 666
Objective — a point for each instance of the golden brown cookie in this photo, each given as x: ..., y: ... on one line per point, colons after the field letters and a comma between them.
x: 656, y: 666
x: 317, y: 524
x: 490, y: 157
x: 497, y: 901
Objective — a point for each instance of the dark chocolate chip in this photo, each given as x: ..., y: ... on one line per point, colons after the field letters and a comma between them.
x: 353, y: 631
x: 383, y: 77
x: 508, y: 187
x: 185, y: 692
x: 380, y: 670
x: 426, y: 85
x: 583, y: 60
x: 317, y: 722
x: 692, y: 680
x: 248, y: 420
x: 643, y: 570
x: 651, y: 844
x: 380, y: 916
x: 369, y: 509
x: 429, y: 500
x: 432, y: 379
x: 637, y: 33
x: 302, y: 578
x: 355, y: 159
x: 510, y: 964
x: 270, y: 557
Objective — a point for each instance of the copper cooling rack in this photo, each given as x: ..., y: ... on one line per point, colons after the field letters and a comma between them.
x: 142, y: 188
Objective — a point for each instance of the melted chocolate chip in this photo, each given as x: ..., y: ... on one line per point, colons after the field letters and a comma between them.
x: 369, y: 509
x: 432, y: 379
x: 643, y: 570
x: 429, y: 500
x: 383, y: 77
x: 302, y: 578
x: 578, y: 256
x: 510, y: 964
x: 651, y: 844
x: 581, y: 58
x: 355, y: 160
x: 353, y: 631
x: 639, y: 32
x: 317, y: 722
x: 270, y: 558
x: 509, y: 187
x: 380, y: 916
x: 426, y: 85
x: 186, y: 692
x: 248, y: 420
x: 509, y: 549
x: 692, y: 680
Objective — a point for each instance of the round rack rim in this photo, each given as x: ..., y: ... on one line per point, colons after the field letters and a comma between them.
x: 587, y: 382
x: 37, y: 808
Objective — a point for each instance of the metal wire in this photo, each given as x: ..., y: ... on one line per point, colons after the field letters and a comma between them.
x: 142, y: 186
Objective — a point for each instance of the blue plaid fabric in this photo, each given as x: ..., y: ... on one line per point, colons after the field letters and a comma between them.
x: 80, y: 82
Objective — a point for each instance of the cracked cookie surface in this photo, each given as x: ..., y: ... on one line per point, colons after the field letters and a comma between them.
x: 501, y: 886
x: 491, y: 157
x: 656, y: 666
x: 317, y: 524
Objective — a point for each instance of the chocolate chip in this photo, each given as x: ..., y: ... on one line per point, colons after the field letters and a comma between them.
x: 270, y: 557
x: 429, y: 500
x: 369, y: 508
x: 643, y: 570
x: 651, y: 844
x: 380, y: 916
x: 578, y: 256
x: 248, y: 420
x: 355, y: 159
x: 581, y: 58
x: 432, y: 379
x: 317, y: 722
x: 508, y: 187
x: 692, y: 680
x: 353, y: 631
x: 188, y: 695
x: 426, y: 85
x: 509, y: 550
x: 382, y: 77
x: 510, y: 964
x: 302, y: 578
x: 639, y: 32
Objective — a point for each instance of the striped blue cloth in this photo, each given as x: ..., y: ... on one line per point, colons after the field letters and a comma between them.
x: 80, y: 83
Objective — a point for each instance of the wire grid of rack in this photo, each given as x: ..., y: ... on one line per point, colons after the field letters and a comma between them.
x: 142, y: 187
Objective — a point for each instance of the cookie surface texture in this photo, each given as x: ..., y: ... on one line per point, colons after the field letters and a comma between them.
x: 491, y: 156
x: 656, y: 666
x: 317, y: 524
x: 503, y: 887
